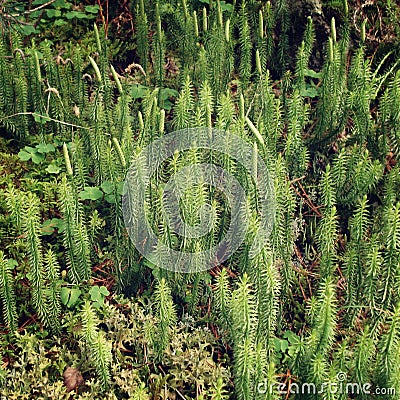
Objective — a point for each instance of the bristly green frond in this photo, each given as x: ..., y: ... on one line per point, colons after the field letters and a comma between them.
x: 53, y: 290
x: 390, y: 187
x: 361, y: 94
x: 245, y: 46
x: 388, y: 363
x: 356, y: 173
x: 205, y: 106
x: 166, y: 314
x: 282, y: 17
x: 217, y: 58
x: 271, y: 115
x: 184, y: 107
x: 244, y: 325
x: 303, y: 56
x: 7, y: 295
x: 327, y: 233
x: 296, y: 153
x: 97, y: 346
x: 324, y: 327
x: 158, y: 46
x: 102, y: 358
x: 364, y: 354
x: 244, y: 310
x: 222, y: 298
x: 76, y: 240
x: 15, y: 201
x: 360, y: 221
x: 142, y: 34
x: 226, y: 112
x: 31, y: 227
x: 17, y: 73
x: 244, y: 361
x: 327, y: 188
x: 373, y: 269
x: 391, y: 281
x: 389, y: 116
x: 282, y: 235
x: 268, y: 289
x: 331, y: 110
x: 5, y: 82
x: 353, y: 260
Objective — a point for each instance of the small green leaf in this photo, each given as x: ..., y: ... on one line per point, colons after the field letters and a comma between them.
x: 24, y: 155
x: 291, y: 337
x: 166, y: 93
x: 75, y: 14
x: 49, y: 225
x: 69, y: 296
x: 30, y: 150
x: 41, y: 119
x: 52, y: 13
x: 82, y: 15
x: 109, y: 198
x: 62, y: 4
x: 138, y: 91
x: 92, y: 9
x: 107, y: 187
x: 281, y: 345
x: 309, y: 92
x: 97, y: 305
x: 60, y: 224
x: 312, y: 74
x: 45, y: 148
x: 27, y: 29
x: 53, y: 168
x: 37, y: 158
x: 35, y: 14
x: 91, y: 193
x: 11, y: 263
x: 167, y: 106
x: 224, y: 6
x: 284, y: 345
x: 104, y: 291
x: 64, y: 295
x: 60, y: 22
x: 95, y: 294
x: 120, y: 188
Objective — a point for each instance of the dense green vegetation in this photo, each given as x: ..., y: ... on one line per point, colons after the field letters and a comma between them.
x: 85, y: 88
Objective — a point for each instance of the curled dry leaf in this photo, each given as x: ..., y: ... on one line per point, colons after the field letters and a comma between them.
x: 72, y: 378
x: 76, y: 110
x: 171, y: 67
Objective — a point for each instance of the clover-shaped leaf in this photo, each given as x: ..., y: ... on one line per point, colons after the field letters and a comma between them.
x: 37, y: 158
x: 49, y: 225
x: 70, y: 296
x: 53, y: 168
x: 24, y: 155
x: 107, y: 187
x: 45, y: 148
x: 91, y: 193
x: 97, y: 295
x: 41, y: 119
